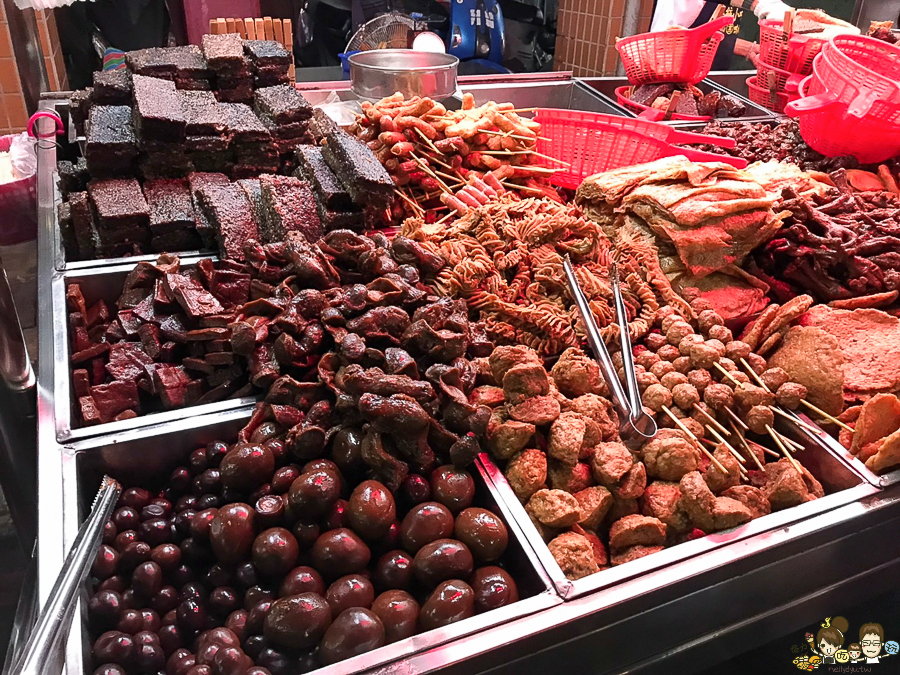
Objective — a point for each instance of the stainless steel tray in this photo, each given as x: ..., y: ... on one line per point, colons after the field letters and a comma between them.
x: 606, y: 86
x: 567, y: 94
x: 734, y: 81
x: 147, y: 456
x: 103, y: 283
x: 842, y: 486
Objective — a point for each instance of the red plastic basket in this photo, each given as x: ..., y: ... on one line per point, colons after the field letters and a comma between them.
x: 828, y: 129
x: 649, y: 113
x: 594, y: 142
x: 18, y: 204
x: 777, y: 79
x: 859, y: 71
x: 794, y: 54
x: 773, y: 100
x: 818, y: 96
x: 672, y: 55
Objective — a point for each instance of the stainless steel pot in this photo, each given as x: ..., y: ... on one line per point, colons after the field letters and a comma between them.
x: 381, y: 72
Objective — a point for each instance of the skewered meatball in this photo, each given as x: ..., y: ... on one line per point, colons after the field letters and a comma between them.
x: 697, y: 414
x: 758, y: 417
x: 677, y: 331
x: 682, y: 364
x: 654, y: 341
x: 656, y: 396
x: 748, y: 395
x: 646, y: 359
x: 718, y: 345
x: 670, y: 380
x: 704, y: 355
x: 721, y: 333
x: 737, y: 350
x: 701, y: 305
x: 644, y: 380
x: 694, y: 427
x: 709, y: 318
x: 718, y: 396
x: 661, y: 368
x: 688, y: 341
x: 790, y: 394
x: 757, y: 362
x: 617, y: 360
x: 699, y: 378
x: 685, y: 395
x: 728, y: 364
x: 773, y: 378
x: 668, y: 353
x: 691, y: 294
x: 740, y: 377
x: 665, y: 323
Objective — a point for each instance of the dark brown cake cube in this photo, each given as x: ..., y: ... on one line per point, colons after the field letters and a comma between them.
x: 157, y: 108
x: 367, y: 181
x: 170, y: 205
x: 289, y: 206
x: 152, y: 62
x: 243, y: 124
x: 79, y: 108
x: 112, y: 87
x: 189, y: 63
x: 118, y: 202
x: 223, y: 51
x: 111, y: 143
x: 203, y: 116
x: 82, y: 223
x: 282, y: 104
x: 228, y: 210
x: 313, y: 168
x: 266, y: 53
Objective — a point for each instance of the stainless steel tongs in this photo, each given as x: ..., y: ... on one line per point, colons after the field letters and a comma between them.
x: 49, y: 634
x: 635, y: 425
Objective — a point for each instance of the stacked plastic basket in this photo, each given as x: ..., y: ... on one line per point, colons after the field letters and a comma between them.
x: 785, y: 58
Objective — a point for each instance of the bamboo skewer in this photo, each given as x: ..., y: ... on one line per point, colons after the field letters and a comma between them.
x: 737, y: 419
x: 755, y: 375
x: 427, y: 140
x: 538, y: 169
x: 503, y: 153
x: 508, y: 134
x: 799, y: 423
x: 681, y: 426
x: 524, y: 188
x: 712, y: 420
x: 452, y: 213
x: 416, y: 207
x: 728, y: 445
x: 777, y: 439
x: 427, y: 169
x: 725, y: 372
x: 825, y: 415
x: 449, y: 177
x: 748, y: 449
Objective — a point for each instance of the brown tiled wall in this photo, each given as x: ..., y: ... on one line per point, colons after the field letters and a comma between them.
x: 13, y: 114
x: 586, y: 34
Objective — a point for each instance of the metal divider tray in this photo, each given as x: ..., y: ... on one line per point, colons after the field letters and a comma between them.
x: 103, y: 283
x: 146, y: 457
x: 607, y: 86
x: 842, y: 483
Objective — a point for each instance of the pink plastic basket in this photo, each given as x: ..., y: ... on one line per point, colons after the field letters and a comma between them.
x: 859, y: 71
x: 18, y: 204
x: 773, y: 100
x: 776, y: 79
x: 827, y: 128
x: 649, y: 113
x: 794, y: 54
x: 672, y: 55
x: 594, y: 142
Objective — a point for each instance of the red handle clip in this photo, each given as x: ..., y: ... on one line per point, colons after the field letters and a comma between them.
x: 60, y: 130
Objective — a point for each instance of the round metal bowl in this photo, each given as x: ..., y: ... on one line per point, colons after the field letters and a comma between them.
x: 381, y: 72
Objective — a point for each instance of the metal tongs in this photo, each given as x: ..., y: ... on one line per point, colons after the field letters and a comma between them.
x: 47, y: 639
x: 635, y: 425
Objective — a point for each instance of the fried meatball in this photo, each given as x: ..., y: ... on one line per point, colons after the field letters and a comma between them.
x: 704, y: 355
x: 661, y: 368
x: 593, y: 504
x: 706, y: 511
x: 662, y: 500
x: 739, y: 377
x: 737, y: 350
x: 784, y: 487
x: 626, y: 555
x: 576, y: 374
x: 646, y: 359
x: 574, y: 555
x: 666, y: 321
x: 617, y: 360
x: 611, y: 461
x: 790, y: 394
x: 749, y: 395
x: 773, y: 378
x: 633, y: 483
x: 728, y: 364
x: 569, y: 478
x: 537, y: 410
x: 685, y: 395
x: 668, y: 353
x: 656, y: 396
x: 699, y: 379
x: 654, y: 341
x: 527, y: 473
x: 707, y: 319
x: 718, y: 396
x: 757, y: 362
x: 601, y: 411
x: 758, y: 417
x: 688, y: 341
x: 677, y: 331
x: 644, y: 380
x: 715, y: 478
x: 691, y: 294
x: 566, y: 437
x: 682, y: 364
x: 721, y: 333
x: 637, y: 530
x: 554, y: 508
x: 672, y: 380
x: 504, y: 358
x: 670, y: 455
x: 621, y: 508
x: 751, y: 497
x: 524, y: 381
x: 701, y: 305
x: 694, y: 427
x: 509, y: 438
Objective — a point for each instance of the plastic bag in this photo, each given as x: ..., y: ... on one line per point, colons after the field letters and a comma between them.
x: 24, y: 159
x: 342, y: 112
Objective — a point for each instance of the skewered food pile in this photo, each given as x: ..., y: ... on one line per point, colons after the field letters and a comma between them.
x: 505, y: 258
x: 459, y: 159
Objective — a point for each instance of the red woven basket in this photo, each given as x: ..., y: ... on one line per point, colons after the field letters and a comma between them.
x: 794, y: 54
x: 672, y: 55
x: 773, y: 100
x: 18, y: 206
